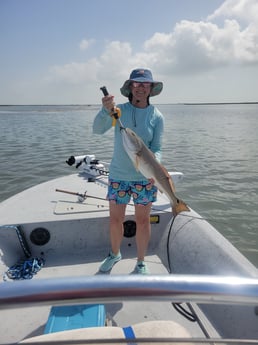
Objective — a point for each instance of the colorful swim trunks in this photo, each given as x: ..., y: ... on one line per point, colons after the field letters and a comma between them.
x: 142, y: 192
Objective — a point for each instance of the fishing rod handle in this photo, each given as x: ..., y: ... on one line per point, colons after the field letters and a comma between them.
x: 104, y: 90
x: 68, y: 192
x: 115, y: 112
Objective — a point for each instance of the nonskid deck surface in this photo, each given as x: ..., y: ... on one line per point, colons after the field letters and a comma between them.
x: 31, y: 321
x: 123, y: 267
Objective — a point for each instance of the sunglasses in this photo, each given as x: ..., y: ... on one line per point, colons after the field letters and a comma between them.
x: 138, y: 84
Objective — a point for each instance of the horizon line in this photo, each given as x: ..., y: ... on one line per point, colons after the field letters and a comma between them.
x: 97, y: 104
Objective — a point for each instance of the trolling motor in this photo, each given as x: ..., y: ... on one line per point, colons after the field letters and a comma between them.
x: 89, y: 164
x: 78, y: 160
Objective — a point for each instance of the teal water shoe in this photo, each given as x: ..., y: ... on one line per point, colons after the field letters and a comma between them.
x: 109, y: 262
x: 141, y: 268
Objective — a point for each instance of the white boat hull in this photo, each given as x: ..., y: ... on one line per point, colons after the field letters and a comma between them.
x: 73, y: 238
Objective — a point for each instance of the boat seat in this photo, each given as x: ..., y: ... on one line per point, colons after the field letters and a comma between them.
x: 149, y: 329
x: 64, y: 318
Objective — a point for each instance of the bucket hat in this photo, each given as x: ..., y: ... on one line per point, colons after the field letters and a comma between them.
x: 142, y: 75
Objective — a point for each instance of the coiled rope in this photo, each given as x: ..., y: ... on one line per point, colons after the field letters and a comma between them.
x: 24, y: 269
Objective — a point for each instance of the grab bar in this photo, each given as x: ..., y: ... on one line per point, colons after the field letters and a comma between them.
x: 103, y: 288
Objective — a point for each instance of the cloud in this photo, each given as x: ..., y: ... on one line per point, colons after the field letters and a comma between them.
x: 246, y: 10
x: 228, y: 37
x: 73, y: 73
x: 199, y: 46
x: 85, y: 44
x: 109, y: 65
x: 114, y: 58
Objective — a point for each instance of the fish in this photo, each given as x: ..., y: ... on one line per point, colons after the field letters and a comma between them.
x: 146, y: 163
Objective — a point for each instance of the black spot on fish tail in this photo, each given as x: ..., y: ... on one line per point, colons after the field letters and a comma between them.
x: 180, y: 206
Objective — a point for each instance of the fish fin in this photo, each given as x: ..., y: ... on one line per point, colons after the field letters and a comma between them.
x: 137, y: 163
x: 172, y: 186
x: 153, y: 154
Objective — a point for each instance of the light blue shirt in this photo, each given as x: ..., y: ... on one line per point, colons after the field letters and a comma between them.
x: 147, y: 123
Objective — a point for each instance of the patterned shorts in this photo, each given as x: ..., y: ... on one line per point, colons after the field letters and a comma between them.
x: 142, y: 192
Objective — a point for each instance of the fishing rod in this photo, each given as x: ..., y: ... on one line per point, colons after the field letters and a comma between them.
x: 115, y: 112
x: 81, y: 197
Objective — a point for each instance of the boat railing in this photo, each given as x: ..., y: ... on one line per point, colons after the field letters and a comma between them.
x: 107, y: 289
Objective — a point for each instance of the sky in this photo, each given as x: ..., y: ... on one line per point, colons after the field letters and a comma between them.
x: 63, y: 51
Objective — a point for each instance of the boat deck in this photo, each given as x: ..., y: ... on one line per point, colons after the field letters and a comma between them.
x: 123, y: 267
x: 30, y: 322
x: 78, y: 242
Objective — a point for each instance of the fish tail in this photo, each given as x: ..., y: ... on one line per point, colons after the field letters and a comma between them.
x: 179, y: 206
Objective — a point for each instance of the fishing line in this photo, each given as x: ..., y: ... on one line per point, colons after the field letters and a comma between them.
x: 168, y: 238
x: 191, y: 314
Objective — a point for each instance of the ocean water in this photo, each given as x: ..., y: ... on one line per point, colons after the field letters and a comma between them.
x: 215, y: 146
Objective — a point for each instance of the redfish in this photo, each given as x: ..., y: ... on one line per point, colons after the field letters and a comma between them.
x: 145, y: 162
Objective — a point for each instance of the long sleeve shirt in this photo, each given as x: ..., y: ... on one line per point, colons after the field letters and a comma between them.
x: 147, y: 123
